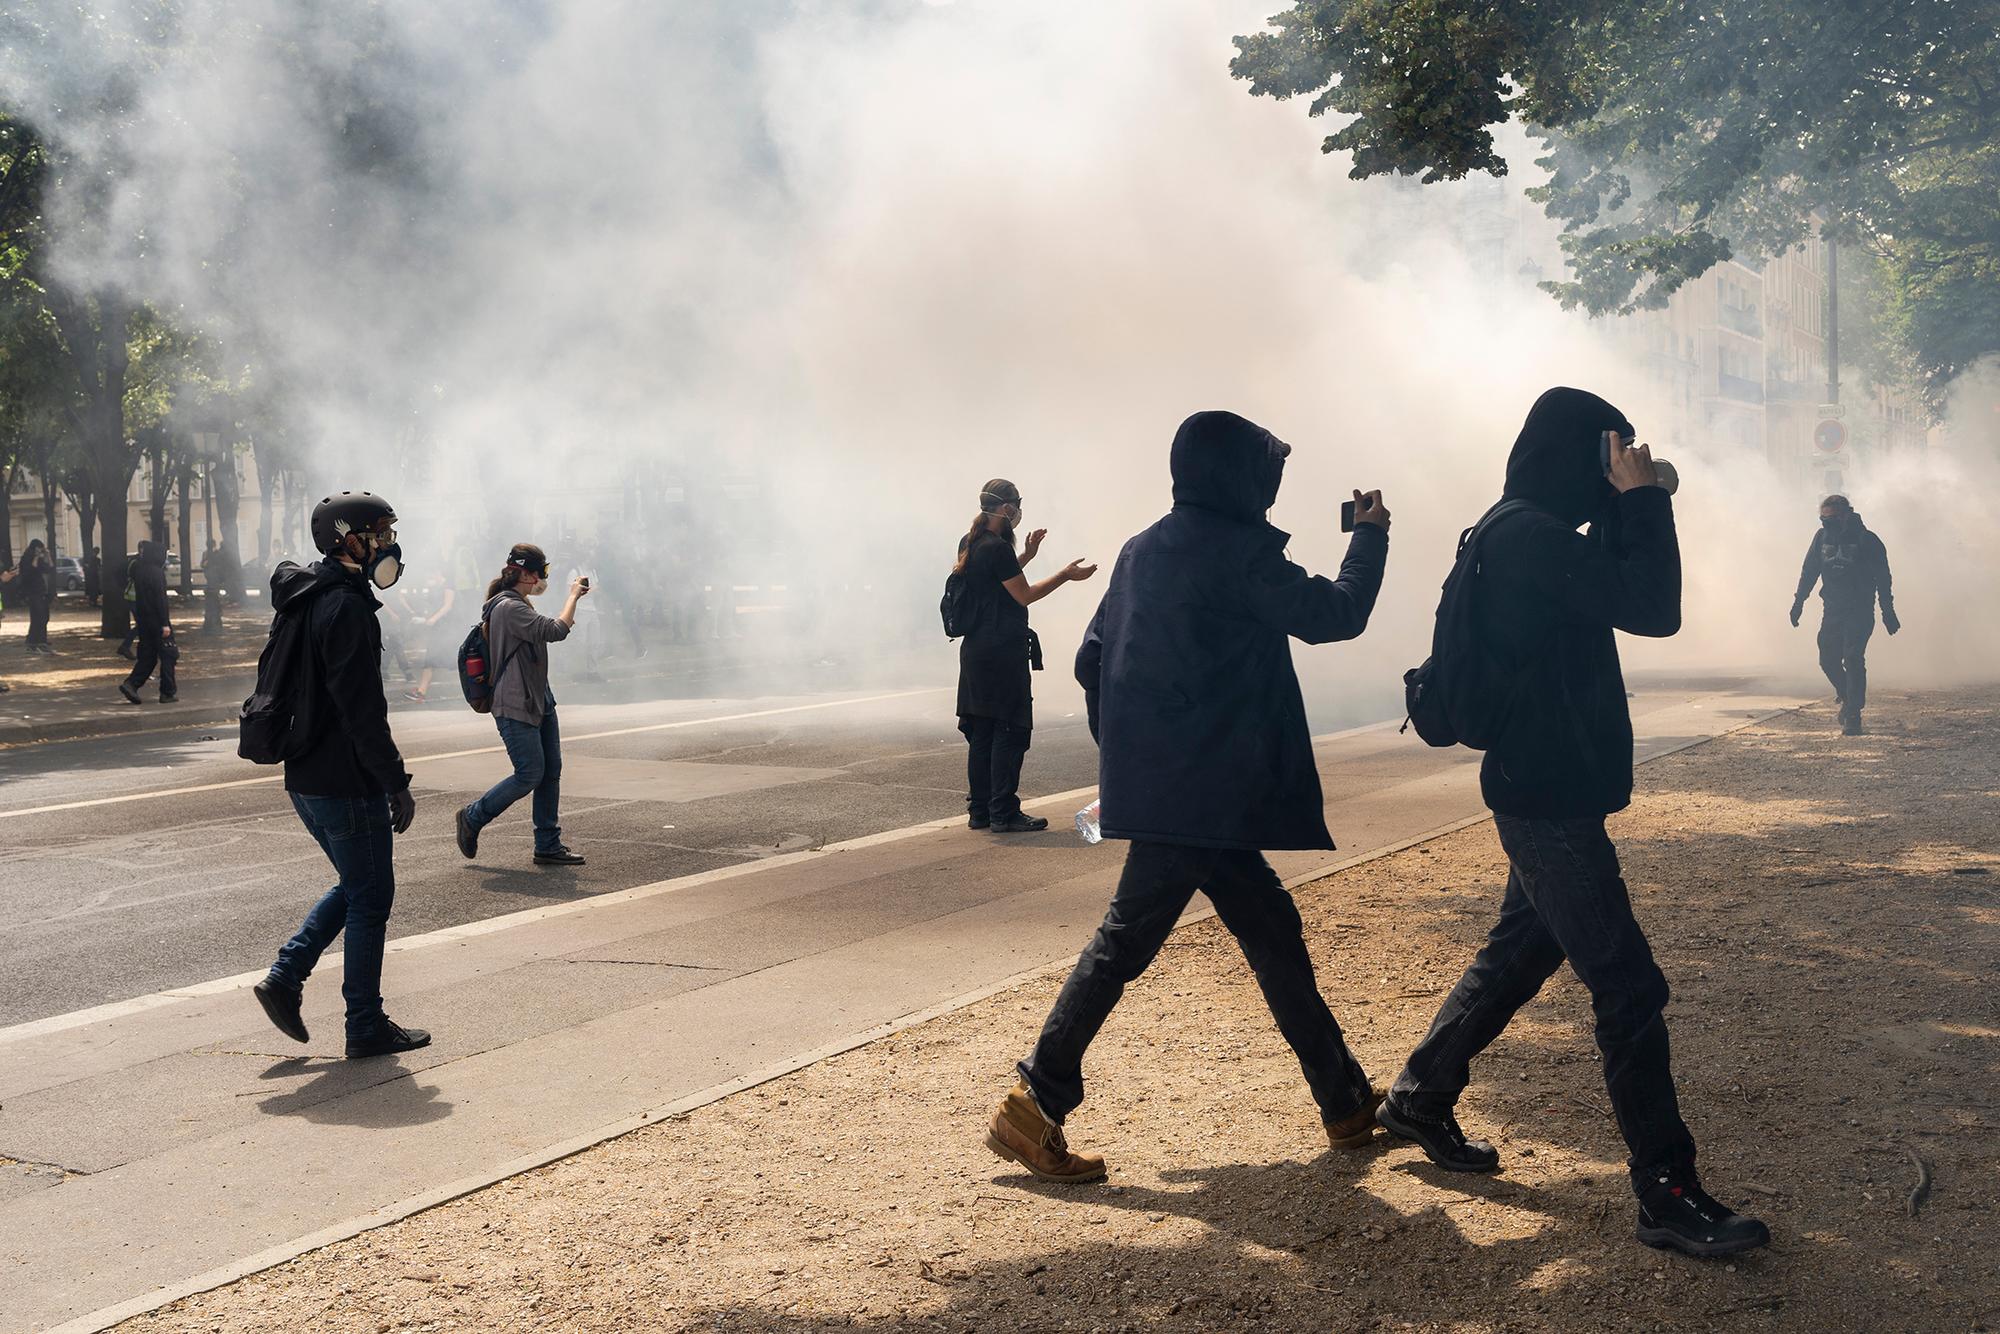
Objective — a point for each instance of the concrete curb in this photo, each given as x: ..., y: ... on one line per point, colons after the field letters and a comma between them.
x: 221, y: 1277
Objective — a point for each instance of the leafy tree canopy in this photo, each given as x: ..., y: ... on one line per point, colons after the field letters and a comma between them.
x: 1679, y: 133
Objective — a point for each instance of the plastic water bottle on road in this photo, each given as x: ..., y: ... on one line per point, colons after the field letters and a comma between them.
x: 1087, y: 826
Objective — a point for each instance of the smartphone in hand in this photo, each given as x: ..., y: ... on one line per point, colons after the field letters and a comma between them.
x: 1346, y: 516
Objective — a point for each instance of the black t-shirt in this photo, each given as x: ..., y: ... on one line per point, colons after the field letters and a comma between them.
x: 993, y: 680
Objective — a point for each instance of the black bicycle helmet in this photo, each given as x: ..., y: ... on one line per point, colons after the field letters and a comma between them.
x: 349, y: 512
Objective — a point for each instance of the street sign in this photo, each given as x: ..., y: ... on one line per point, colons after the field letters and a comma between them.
x: 1835, y: 410
x: 1829, y: 436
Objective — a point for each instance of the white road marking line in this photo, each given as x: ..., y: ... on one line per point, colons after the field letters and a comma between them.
x: 460, y: 754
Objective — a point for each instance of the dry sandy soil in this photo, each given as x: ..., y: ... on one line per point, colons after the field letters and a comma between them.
x: 1828, y: 910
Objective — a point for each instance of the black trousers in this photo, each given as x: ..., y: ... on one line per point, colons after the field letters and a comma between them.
x: 1252, y: 902
x: 993, y: 766
x: 1843, y: 656
x: 1565, y: 900
x: 155, y: 650
x: 38, y: 617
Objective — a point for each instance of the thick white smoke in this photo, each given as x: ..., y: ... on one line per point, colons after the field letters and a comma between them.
x: 877, y: 256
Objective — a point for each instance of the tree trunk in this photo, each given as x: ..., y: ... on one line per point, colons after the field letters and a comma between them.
x: 184, y: 482
x: 158, y: 518
x: 265, y: 459
x: 94, y: 330
x: 49, y: 493
x: 7, y: 476
x: 228, y: 495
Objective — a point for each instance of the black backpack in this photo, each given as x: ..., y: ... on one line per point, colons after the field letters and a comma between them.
x: 1460, y: 695
x: 474, y: 680
x: 277, y: 722
x: 955, y: 607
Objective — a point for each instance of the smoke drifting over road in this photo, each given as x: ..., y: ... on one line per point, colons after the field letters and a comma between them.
x: 877, y: 257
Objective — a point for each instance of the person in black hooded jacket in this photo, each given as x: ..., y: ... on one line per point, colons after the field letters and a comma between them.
x: 153, y: 627
x: 1205, y: 762
x: 1547, y: 605
x: 1851, y: 567
x: 349, y: 786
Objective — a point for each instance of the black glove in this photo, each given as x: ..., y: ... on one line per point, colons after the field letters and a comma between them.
x: 402, y: 810
x: 1890, y: 621
x: 1797, y: 609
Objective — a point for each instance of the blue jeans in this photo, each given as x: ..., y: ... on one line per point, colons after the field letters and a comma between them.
x: 354, y: 833
x: 537, y: 756
x: 1565, y: 900
x: 1158, y: 881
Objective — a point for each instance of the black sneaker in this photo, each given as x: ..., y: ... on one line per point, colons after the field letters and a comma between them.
x: 388, y: 1038
x: 1020, y: 824
x: 281, y: 1007
x: 559, y: 856
x: 978, y: 822
x: 1851, y: 726
x: 1676, y: 1214
x: 168, y: 699
x: 131, y: 695
x: 468, y: 835
x: 1439, y: 1136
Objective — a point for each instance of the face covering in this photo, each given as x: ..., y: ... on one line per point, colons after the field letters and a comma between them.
x: 386, y: 567
x: 1830, y: 522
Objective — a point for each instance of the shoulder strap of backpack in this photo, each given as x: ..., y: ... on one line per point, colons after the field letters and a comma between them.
x: 1507, y: 506
x: 486, y: 628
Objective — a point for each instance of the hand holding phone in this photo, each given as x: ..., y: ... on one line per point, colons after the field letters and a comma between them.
x: 1346, y: 516
x: 1367, y: 507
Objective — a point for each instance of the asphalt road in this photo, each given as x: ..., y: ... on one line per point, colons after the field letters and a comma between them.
x: 108, y: 893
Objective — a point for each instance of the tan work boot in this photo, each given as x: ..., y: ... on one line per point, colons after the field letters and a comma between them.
x: 1358, y: 1130
x: 1020, y: 1133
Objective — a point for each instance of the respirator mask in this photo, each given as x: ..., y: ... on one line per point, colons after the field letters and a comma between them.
x: 385, y: 563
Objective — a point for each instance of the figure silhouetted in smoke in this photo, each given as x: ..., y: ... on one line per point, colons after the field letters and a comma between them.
x: 1851, y: 567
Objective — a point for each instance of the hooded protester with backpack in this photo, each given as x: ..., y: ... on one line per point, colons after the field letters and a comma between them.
x: 1205, y: 762
x: 319, y: 708
x: 1551, y: 715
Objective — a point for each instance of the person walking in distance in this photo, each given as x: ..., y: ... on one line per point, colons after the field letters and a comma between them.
x: 93, y: 578
x: 349, y: 786
x: 996, y: 709
x: 1205, y: 761
x: 152, y: 626
x: 1851, y: 567
x: 1543, y: 615
x: 37, y: 577
x: 524, y: 707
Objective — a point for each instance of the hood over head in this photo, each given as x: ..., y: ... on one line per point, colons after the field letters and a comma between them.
x: 1555, y: 462
x: 1228, y: 465
x: 151, y: 552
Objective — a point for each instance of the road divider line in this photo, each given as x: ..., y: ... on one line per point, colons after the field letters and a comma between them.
x: 268, y: 779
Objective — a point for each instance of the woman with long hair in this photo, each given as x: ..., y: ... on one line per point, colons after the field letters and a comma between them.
x: 995, y: 701
x: 37, y: 574
x: 524, y: 708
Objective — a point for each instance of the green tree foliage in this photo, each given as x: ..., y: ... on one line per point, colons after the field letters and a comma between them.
x: 1678, y: 134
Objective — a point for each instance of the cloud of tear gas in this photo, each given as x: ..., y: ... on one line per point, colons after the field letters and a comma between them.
x: 859, y: 259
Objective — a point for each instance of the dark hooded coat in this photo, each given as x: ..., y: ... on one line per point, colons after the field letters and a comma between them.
x: 353, y: 753
x: 1550, y: 598
x: 1187, y: 666
x: 149, y: 587
x: 1851, y: 567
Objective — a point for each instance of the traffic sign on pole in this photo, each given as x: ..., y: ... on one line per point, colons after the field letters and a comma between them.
x: 1830, y: 435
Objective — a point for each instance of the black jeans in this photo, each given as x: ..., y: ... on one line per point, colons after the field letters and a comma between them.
x: 155, y: 650
x: 1565, y: 900
x: 1159, y: 880
x: 1843, y: 648
x: 993, y: 766
x: 38, y: 617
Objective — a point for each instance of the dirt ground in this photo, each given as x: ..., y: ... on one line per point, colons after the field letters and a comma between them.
x: 1828, y: 910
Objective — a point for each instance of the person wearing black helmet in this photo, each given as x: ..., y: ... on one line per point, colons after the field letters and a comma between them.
x: 349, y: 786
x: 996, y: 710
x: 524, y: 707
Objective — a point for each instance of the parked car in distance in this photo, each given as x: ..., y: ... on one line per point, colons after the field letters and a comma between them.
x: 69, y: 573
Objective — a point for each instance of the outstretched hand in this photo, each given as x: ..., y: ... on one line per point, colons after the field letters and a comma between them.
x: 1076, y: 571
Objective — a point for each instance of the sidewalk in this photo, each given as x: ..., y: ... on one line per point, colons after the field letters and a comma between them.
x: 562, y: 1025
x: 1826, y: 909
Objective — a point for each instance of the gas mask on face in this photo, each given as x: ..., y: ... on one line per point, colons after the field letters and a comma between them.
x: 381, y: 558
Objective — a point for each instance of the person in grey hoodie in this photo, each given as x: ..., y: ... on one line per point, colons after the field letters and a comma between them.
x: 524, y: 708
